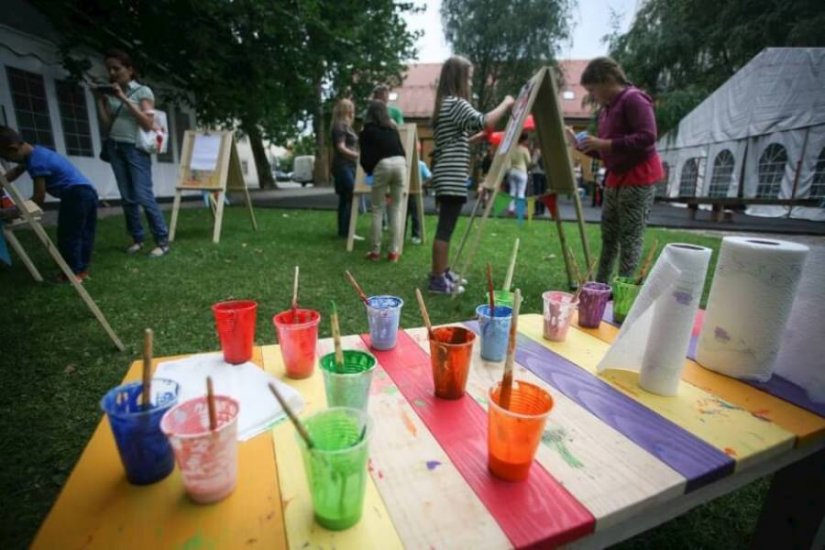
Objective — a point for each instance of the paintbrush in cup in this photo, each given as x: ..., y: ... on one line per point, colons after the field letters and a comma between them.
x: 295, y: 297
x: 146, y: 396
x: 357, y: 287
x: 424, y: 313
x: 491, y: 291
x: 648, y: 262
x: 585, y: 280
x: 210, y: 401
x: 336, y: 338
x: 302, y: 431
x: 508, y: 280
x: 507, y: 379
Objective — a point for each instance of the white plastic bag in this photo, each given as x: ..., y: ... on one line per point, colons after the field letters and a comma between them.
x: 156, y: 140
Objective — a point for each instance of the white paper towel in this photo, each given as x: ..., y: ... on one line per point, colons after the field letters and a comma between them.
x: 748, y: 306
x: 655, y: 335
x: 246, y: 383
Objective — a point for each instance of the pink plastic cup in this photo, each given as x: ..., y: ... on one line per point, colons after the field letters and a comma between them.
x: 298, y: 336
x: 558, y: 312
x: 208, y: 460
x: 235, y: 323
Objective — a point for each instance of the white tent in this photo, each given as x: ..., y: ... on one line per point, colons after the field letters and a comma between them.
x: 761, y: 134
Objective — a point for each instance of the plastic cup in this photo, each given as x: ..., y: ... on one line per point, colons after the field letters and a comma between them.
x: 451, y: 351
x: 235, y: 323
x: 383, y: 315
x: 208, y: 460
x: 351, y: 386
x: 144, y: 449
x: 558, y: 312
x: 625, y: 291
x: 298, y: 336
x: 592, y: 301
x: 336, y: 465
x: 495, y: 331
x: 514, y: 434
x: 504, y: 298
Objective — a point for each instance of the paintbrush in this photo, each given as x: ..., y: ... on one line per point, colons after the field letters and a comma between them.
x: 507, y: 379
x: 210, y: 401
x: 302, y: 431
x: 648, y: 261
x: 357, y: 287
x: 508, y: 280
x: 336, y: 338
x: 146, y: 397
x: 295, y: 297
x: 491, y: 291
x: 585, y: 280
x: 424, y: 313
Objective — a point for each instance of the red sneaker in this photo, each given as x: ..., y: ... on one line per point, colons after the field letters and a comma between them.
x: 393, y: 257
x: 373, y: 256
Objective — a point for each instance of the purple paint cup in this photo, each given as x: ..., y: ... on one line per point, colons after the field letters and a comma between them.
x: 592, y: 301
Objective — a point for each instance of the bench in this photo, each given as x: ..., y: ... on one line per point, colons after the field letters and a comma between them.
x: 721, y: 204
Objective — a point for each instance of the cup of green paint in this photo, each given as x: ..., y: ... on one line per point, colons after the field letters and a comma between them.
x: 625, y: 291
x: 348, y: 385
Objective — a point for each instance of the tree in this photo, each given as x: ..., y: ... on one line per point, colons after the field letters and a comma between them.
x: 506, y: 41
x: 682, y: 50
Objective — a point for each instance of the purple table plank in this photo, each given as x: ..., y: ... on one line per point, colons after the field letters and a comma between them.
x: 697, y: 461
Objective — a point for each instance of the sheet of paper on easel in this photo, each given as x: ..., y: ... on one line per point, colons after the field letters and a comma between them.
x: 205, y: 152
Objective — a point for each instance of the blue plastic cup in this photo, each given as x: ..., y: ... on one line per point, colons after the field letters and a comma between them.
x: 144, y: 450
x: 495, y: 331
x: 383, y: 315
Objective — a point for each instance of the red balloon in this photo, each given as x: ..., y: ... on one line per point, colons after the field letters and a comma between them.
x: 494, y: 138
x: 529, y: 124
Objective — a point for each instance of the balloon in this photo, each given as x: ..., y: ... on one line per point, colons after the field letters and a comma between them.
x: 495, y: 138
x: 529, y: 124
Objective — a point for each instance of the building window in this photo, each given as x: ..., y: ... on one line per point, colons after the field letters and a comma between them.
x: 771, y: 171
x: 30, y: 107
x: 818, y: 184
x: 661, y: 186
x: 74, y: 116
x: 245, y: 167
x: 167, y: 157
x: 568, y: 94
x: 690, y: 176
x: 722, y: 175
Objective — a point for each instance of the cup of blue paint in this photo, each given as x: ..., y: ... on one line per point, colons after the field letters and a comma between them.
x: 494, y: 330
x: 383, y: 316
x: 144, y: 450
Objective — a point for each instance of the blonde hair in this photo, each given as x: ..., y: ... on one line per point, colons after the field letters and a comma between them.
x: 602, y: 70
x: 343, y: 109
x: 454, y: 81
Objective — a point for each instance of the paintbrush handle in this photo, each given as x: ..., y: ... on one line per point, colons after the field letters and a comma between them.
x: 336, y: 339
x: 210, y: 401
x: 508, y: 280
x: 148, y: 342
x: 423, y: 309
x: 295, y: 289
x: 356, y: 286
x: 507, y: 379
x: 294, y: 419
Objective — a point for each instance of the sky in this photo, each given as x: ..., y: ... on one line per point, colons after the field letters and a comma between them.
x: 590, y: 21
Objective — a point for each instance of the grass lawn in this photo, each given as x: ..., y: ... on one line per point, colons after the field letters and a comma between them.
x: 58, y: 362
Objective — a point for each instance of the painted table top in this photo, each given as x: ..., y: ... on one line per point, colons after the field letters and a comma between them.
x: 610, y: 452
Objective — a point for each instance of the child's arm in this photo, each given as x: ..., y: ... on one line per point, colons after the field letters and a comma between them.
x: 39, y: 193
x: 15, y: 172
x: 491, y: 119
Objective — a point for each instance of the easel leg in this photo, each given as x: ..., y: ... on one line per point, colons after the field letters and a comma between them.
x: 251, y: 211
x: 402, y: 215
x: 216, y: 235
x: 582, y: 231
x: 477, y: 237
x: 174, y: 223
x: 419, y: 199
x: 353, y: 220
x: 15, y: 244
x: 563, y: 244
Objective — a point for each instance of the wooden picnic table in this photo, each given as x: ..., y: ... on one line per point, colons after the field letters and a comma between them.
x: 615, y: 461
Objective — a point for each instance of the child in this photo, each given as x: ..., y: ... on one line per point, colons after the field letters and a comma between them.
x: 627, y: 146
x: 454, y: 121
x: 52, y: 173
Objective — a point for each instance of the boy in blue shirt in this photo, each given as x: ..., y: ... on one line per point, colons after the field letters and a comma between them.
x: 55, y: 175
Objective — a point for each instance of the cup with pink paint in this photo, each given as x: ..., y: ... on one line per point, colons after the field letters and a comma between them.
x: 208, y: 459
x: 557, y: 312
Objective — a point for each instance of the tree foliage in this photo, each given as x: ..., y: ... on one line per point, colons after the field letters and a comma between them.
x: 506, y: 41
x: 682, y: 50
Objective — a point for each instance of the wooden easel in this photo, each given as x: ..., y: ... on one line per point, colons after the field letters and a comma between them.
x: 30, y: 216
x: 409, y: 139
x: 213, y: 167
x: 539, y: 96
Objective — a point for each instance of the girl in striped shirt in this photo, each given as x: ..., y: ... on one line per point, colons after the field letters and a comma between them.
x: 454, y: 122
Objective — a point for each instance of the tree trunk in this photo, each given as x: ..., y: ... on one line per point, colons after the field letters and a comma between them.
x: 321, y: 174
x: 265, y: 179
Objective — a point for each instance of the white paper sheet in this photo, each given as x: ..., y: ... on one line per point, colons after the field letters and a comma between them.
x: 205, y: 152
x: 246, y: 383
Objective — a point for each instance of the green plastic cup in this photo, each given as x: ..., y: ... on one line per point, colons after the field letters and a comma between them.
x: 625, y: 291
x: 336, y: 465
x: 503, y: 298
x: 349, y: 386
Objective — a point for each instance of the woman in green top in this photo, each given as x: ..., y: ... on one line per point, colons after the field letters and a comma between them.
x: 123, y: 108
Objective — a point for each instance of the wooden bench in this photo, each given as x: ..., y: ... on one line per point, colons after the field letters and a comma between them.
x: 720, y: 204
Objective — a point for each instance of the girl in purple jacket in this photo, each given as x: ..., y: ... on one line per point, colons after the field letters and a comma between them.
x: 626, y: 144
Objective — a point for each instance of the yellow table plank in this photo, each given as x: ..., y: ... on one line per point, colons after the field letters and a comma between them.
x: 729, y: 428
x: 98, y: 508
x: 375, y: 530
x: 610, y: 475
x: 807, y: 426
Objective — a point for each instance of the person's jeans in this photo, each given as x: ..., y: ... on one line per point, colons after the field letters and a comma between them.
x: 388, y: 180
x: 133, y: 173
x: 76, y: 226
x: 344, y: 184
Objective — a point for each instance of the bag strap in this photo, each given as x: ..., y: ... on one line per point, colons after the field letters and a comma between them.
x: 120, y: 108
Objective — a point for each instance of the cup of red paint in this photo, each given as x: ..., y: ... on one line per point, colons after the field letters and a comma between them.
x: 235, y: 324
x: 298, y: 336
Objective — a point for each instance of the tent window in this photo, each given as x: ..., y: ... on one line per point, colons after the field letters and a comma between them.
x: 818, y: 185
x: 722, y: 175
x: 771, y: 171
x: 690, y: 176
x: 661, y: 187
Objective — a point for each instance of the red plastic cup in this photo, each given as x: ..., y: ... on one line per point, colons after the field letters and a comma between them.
x: 298, y: 336
x: 451, y: 352
x: 235, y: 323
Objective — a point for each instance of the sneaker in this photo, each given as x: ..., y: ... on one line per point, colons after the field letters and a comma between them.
x: 416, y: 240
x: 373, y: 256
x: 441, y: 285
x: 134, y: 248
x: 82, y: 276
x: 393, y: 257
x: 454, y: 278
x: 357, y: 238
x: 158, y: 251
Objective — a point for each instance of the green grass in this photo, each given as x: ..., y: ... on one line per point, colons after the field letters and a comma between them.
x: 58, y: 362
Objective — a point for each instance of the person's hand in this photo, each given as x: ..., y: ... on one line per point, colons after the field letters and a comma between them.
x: 591, y: 144
x: 508, y: 101
x: 570, y: 135
x: 478, y: 137
x: 120, y: 94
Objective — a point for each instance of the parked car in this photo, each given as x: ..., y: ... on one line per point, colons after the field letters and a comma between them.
x: 280, y: 175
x: 304, y: 169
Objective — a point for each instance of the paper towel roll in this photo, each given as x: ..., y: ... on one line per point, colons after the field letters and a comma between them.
x: 654, y: 338
x: 748, y: 306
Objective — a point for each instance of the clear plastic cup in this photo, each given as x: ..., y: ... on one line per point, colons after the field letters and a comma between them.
x: 298, y: 337
x: 494, y: 331
x: 348, y: 386
x: 625, y: 291
x: 383, y: 316
x: 451, y: 352
x: 592, y: 302
x: 558, y: 313
x: 235, y: 324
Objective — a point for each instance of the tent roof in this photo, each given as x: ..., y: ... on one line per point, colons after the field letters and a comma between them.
x: 779, y: 89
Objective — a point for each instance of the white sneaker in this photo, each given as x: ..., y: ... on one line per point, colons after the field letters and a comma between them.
x: 357, y: 238
x: 134, y: 248
x: 159, y: 251
x: 455, y: 278
x: 416, y: 240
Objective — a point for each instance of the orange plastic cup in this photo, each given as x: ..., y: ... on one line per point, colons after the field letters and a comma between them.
x: 451, y: 352
x: 514, y: 434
